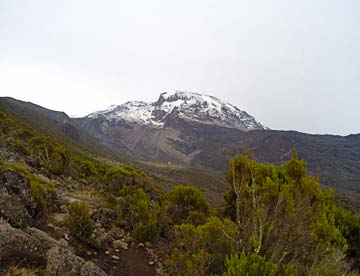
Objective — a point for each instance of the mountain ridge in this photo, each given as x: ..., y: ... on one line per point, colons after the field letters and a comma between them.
x: 195, y: 143
x: 180, y: 104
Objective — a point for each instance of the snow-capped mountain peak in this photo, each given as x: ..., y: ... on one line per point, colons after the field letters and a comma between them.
x: 182, y: 104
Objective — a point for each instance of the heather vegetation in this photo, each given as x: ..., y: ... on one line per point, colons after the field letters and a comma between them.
x: 276, y: 220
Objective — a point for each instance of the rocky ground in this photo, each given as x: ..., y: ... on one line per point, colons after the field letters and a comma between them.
x: 42, y: 243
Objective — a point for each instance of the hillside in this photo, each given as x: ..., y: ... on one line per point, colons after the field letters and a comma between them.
x: 65, y: 130
x: 174, y: 130
x: 65, y: 210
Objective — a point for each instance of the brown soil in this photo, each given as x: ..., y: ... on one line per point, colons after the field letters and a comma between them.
x: 132, y: 262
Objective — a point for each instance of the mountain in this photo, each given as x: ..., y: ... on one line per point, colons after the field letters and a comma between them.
x: 66, y: 130
x: 154, y: 130
x: 203, y: 132
x: 179, y: 105
x: 66, y: 210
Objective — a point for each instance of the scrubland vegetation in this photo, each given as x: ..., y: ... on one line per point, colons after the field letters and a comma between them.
x: 276, y: 220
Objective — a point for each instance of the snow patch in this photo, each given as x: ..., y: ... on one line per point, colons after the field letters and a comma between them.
x: 187, y: 105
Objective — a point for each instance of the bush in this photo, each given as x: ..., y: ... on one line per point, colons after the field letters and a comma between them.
x: 116, y: 177
x: 147, y: 232
x: 202, y: 250
x: 135, y: 205
x: 14, y: 271
x: 188, y: 204
x: 43, y: 192
x: 88, y: 168
x: 253, y: 264
x: 264, y: 198
x: 79, y: 223
x: 349, y: 225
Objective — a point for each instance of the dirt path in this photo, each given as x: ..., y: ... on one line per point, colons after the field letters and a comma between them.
x: 132, y: 262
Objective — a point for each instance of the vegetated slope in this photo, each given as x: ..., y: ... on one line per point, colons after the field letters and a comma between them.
x: 179, y: 128
x: 334, y: 159
x: 66, y: 131
x: 68, y: 214
x: 57, y: 124
x: 52, y: 198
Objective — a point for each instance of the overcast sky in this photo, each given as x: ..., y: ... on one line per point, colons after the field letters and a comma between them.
x: 292, y: 64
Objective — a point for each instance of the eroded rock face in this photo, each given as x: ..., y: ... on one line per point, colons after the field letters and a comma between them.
x: 90, y: 269
x: 13, y: 183
x: 15, y: 243
x: 13, y: 211
x: 35, y: 248
x: 62, y: 262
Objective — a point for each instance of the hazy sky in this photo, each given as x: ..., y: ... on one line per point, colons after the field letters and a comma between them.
x: 292, y: 64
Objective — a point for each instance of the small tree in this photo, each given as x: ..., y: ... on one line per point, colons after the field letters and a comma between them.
x: 79, y: 222
x: 188, y: 205
x: 282, y: 214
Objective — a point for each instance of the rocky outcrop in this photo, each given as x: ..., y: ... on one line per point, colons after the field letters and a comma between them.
x: 90, y: 269
x: 62, y: 262
x: 120, y: 244
x: 18, y: 203
x: 17, y: 244
x: 13, y: 183
x: 14, y: 211
x: 35, y: 248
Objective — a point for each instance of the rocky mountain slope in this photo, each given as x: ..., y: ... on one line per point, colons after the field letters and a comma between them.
x: 179, y: 105
x: 201, y: 131
x: 45, y: 183
x: 66, y: 130
x: 66, y: 209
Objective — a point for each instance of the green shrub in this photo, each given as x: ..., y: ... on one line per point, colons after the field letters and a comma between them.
x: 43, y: 192
x: 188, y: 204
x: 21, y: 148
x: 202, y: 250
x: 116, y: 177
x: 14, y: 271
x: 135, y: 205
x: 88, y: 168
x: 264, y: 198
x: 254, y: 265
x: 24, y: 134
x: 349, y: 225
x: 79, y: 222
x: 147, y: 232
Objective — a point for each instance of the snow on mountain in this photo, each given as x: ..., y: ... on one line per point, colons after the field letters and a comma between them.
x: 186, y: 105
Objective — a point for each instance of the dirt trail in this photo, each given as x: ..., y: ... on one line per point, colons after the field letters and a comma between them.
x: 132, y: 262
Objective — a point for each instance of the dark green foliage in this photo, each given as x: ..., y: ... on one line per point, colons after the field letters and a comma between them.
x: 202, y: 250
x: 116, y: 177
x: 14, y: 271
x: 230, y: 204
x: 269, y: 198
x: 188, y: 205
x: 349, y: 225
x: 79, y: 223
x: 88, y: 168
x: 135, y: 204
x: 43, y: 192
x: 21, y: 148
x: 253, y: 264
x: 145, y: 217
x: 55, y: 158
